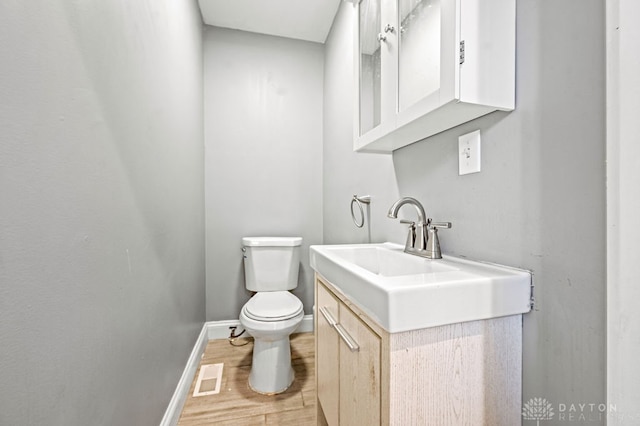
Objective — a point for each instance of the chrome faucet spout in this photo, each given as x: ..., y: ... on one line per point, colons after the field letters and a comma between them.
x: 395, y: 207
x: 423, y: 236
x: 417, y: 239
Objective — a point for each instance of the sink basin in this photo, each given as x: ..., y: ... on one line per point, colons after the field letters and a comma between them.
x: 387, y: 262
x: 403, y: 292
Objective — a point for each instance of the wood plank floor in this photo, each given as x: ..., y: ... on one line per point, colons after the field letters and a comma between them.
x: 238, y: 405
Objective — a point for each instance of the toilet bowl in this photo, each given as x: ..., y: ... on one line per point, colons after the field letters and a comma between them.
x: 271, y: 269
x: 270, y: 318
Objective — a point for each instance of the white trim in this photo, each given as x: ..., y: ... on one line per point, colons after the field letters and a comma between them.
x: 211, y: 330
x: 623, y: 208
x: 220, y: 329
x: 174, y: 409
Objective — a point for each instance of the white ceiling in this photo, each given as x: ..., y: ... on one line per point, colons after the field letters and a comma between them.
x: 300, y: 19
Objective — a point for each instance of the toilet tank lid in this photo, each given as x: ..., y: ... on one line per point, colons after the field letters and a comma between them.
x: 271, y: 241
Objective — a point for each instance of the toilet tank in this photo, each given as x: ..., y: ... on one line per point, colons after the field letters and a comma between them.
x: 271, y: 263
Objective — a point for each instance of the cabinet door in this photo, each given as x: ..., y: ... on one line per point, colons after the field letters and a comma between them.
x: 370, y: 65
x: 359, y: 373
x: 428, y: 65
x: 327, y: 353
x: 419, y: 50
x: 376, y: 70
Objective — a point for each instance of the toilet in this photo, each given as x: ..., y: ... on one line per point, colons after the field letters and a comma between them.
x: 273, y: 313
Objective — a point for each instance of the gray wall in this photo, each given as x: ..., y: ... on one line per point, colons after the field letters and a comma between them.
x: 101, y: 211
x: 539, y: 202
x: 345, y: 172
x: 263, y: 160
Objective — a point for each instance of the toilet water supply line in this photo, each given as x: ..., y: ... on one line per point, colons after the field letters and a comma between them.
x: 233, y: 336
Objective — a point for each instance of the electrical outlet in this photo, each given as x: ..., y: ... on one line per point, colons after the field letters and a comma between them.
x: 469, y: 153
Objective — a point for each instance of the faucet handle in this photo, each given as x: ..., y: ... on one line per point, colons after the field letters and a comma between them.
x: 411, y: 237
x: 446, y: 225
x: 433, y: 243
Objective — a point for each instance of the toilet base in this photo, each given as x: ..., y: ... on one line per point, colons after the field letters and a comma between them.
x: 271, y: 371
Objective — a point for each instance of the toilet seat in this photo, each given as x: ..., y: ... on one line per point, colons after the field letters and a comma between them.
x: 272, y: 306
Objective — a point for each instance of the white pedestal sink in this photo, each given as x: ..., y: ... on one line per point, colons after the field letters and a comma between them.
x: 403, y: 292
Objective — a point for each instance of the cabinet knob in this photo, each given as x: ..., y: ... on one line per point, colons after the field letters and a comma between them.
x: 382, y: 37
x: 389, y: 28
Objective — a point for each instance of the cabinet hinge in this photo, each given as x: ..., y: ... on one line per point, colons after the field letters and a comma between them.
x: 461, y: 52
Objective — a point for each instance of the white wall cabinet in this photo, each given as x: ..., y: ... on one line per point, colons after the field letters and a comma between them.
x: 458, y: 374
x: 425, y: 66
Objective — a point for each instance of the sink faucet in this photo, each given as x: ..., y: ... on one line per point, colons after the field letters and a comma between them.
x: 423, y: 236
x: 417, y: 234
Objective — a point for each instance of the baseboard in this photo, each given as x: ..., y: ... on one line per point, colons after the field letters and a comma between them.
x: 220, y: 329
x: 211, y: 330
x: 174, y: 409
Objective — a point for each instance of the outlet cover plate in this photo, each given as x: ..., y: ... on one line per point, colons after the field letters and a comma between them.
x: 469, y: 153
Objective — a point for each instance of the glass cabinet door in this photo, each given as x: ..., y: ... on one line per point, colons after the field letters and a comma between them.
x: 419, y: 50
x: 370, y: 65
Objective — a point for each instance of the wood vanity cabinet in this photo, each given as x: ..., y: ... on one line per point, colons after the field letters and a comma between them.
x: 459, y: 374
x: 349, y: 383
x: 425, y: 66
